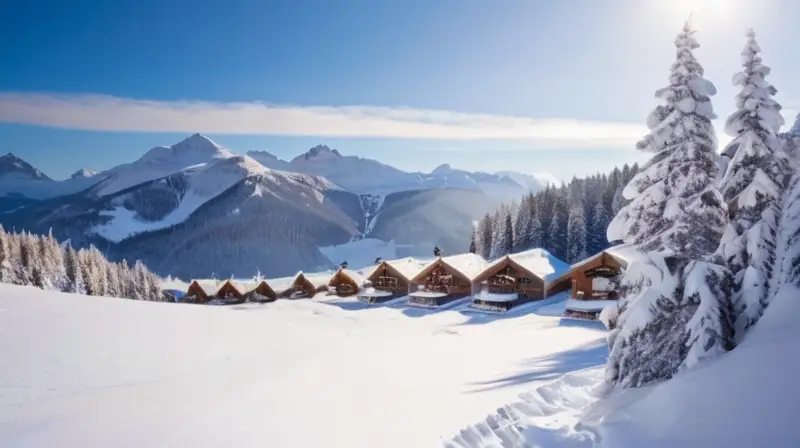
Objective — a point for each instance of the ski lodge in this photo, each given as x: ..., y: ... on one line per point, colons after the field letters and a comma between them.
x: 516, y: 279
x: 594, y: 283
x: 445, y: 280
x: 390, y: 280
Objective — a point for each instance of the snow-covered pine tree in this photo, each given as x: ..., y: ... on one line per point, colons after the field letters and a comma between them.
x: 507, y: 244
x: 473, y: 240
x: 497, y: 234
x: 535, y: 232
x: 485, y: 232
x: 600, y: 220
x: 556, y: 236
x: 522, y: 225
x: 677, y: 215
x: 576, y: 234
x: 7, y: 273
x: 752, y: 187
x: 789, y: 259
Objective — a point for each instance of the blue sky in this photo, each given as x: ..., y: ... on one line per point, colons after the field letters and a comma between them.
x: 414, y: 83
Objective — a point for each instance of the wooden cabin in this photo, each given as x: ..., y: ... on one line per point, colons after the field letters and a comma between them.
x: 445, y: 280
x: 594, y: 283
x: 516, y: 279
x: 200, y: 292
x: 230, y: 292
x: 301, y: 288
x: 388, y: 281
x: 262, y: 293
x: 345, y: 282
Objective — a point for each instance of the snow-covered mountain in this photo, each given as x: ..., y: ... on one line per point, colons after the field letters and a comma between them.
x: 12, y: 167
x: 320, y: 198
x: 162, y: 161
x: 82, y: 173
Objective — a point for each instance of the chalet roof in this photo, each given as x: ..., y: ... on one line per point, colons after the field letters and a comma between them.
x: 408, y: 267
x: 318, y: 279
x: 539, y: 262
x: 469, y: 264
x: 355, y: 275
x: 625, y: 254
x: 238, y: 286
x: 210, y: 287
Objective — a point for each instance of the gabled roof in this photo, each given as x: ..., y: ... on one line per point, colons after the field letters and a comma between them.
x: 238, y: 287
x: 467, y: 265
x: 316, y: 279
x: 624, y: 254
x: 408, y: 267
x: 538, y: 262
x: 355, y: 276
x: 210, y: 287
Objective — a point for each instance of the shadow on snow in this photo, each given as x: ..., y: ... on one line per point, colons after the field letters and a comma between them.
x: 550, y: 367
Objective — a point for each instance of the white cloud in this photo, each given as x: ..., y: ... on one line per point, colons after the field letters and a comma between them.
x: 108, y: 113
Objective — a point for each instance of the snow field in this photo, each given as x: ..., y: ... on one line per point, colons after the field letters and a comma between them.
x: 93, y: 371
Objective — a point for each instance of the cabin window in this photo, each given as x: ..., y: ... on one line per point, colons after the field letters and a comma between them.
x: 525, y: 281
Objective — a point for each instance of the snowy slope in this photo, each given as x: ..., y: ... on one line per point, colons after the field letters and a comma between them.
x: 18, y: 177
x: 745, y: 398
x: 100, y: 372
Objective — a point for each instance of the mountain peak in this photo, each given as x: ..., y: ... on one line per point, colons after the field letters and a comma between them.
x: 320, y: 152
x: 443, y: 168
x: 11, y: 164
x: 82, y: 173
x: 192, y: 150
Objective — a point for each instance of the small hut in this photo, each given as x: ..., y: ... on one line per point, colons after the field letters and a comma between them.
x: 200, y: 291
x: 594, y: 283
x: 345, y: 282
x: 230, y: 292
x: 445, y: 280
x: 301, y: 288
x: 516, y: 279
x: 262, y: 293
x: 390, y: 279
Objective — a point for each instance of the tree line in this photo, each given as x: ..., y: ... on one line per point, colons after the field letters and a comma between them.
x: 569, y: 221
x: 39, y: 260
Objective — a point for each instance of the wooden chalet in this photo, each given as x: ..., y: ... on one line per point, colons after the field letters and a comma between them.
x: 301, y: 288
x: 346, y: 282
x: 230, y: 292
x: 445, y: 280
x: 200, y: 291
x: 516, y: 279
x: 594, y: 283
x: 262, y: 293
x: 390, y: 280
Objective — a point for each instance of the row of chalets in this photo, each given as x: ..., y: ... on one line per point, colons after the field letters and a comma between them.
x: 498, y: 286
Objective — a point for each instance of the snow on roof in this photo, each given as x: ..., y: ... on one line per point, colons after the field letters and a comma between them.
x: 627, y: 253
x: 469, y: 264
x: 318, y: 279
x: 355, y: 275
x: 408, y: 266
x: 589, y: 305
x: 210, y: 287
x: 540, y: 262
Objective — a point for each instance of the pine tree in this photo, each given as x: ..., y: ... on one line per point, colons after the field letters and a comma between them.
x: 576, y: 234
x: 535, y: 232
x: 556, y: 237
x: 752, y: 187
x: 473, y: 244
x: 507, y: 245
x: 522, y: 226
x: 497, y: 234
x: 600, y: 219
x: 485, y: 232
x: 677, y: 214
x: 7, y: 274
